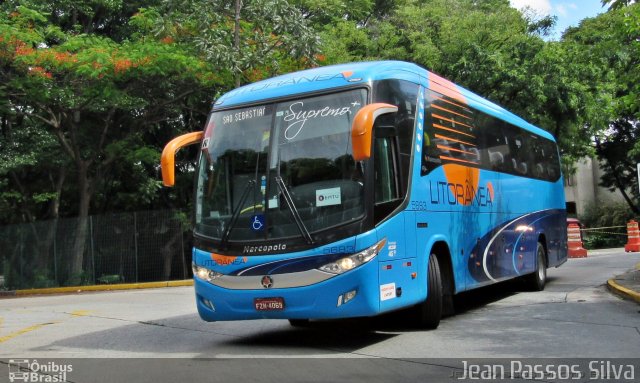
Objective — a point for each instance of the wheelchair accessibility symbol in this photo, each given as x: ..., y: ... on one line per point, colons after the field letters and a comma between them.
x: 257, y: 222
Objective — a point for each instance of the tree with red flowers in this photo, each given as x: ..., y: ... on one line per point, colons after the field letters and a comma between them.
x: 93, y: 95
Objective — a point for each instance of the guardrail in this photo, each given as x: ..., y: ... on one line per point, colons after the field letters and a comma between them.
x: 631, y: 235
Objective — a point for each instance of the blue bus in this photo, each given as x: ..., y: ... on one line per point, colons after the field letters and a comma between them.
x: 359, y: 189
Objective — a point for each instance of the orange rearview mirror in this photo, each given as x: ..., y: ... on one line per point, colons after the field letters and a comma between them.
x: 362, y: 128
x: 167, y: 161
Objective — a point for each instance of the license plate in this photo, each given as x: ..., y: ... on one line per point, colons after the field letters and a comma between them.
x: 268, y: 304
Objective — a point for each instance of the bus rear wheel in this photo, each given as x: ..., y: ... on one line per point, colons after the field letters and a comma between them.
x: 537, y: 280
x: 430, y: 311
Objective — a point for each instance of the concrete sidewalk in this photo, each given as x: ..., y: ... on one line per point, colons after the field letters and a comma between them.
x: 627, y: 285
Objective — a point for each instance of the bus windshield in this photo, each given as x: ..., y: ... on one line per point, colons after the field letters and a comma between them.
x: 280, y: 170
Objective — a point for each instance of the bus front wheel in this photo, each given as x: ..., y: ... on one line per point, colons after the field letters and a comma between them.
x: 430, y: 311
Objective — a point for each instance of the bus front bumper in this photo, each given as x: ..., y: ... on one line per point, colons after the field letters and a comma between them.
x: 321, y: 300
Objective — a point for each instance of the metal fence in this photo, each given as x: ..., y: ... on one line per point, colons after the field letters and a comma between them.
x: 117, y: 248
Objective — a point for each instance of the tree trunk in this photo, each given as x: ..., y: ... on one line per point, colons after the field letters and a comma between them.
x: 44, y: 245
x: 84, y: 195
x: 54, y: 207
x: 5, y: 127
x: 168, y: 253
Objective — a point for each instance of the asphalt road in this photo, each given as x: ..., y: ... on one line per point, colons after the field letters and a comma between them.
x: 575, y: 317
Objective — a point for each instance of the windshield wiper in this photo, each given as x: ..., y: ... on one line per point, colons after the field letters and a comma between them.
x: 236, y: 213
x: 294, y: 211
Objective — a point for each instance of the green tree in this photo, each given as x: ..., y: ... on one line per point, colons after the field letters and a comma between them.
x: 487, y: 47
x: 617, y: 4
x: 108, y: 18
x: 32, y: 176
x: 324, y: 13
x: 246, y: 40
x: 92, y: 94
x: 616, y: 150
x: 610, y: 43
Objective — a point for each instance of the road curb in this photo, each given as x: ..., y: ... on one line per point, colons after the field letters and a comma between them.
x: 623, y: 291
x: 78, y: 289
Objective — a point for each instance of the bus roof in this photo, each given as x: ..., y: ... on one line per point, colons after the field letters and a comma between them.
x: 336, y: 76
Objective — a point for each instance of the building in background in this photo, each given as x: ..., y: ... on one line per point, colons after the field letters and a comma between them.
x: 582, y: 188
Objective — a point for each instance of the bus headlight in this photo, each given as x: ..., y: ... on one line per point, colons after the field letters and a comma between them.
x: 351, y: 262
x: 204, y: 273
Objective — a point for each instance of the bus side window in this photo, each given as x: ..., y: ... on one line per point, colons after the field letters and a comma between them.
x: 540, y: 168
x: 496, y: 159
x: 449, y: 133
x: 475, y: 154
x: 517, y: 151
x: 551, y: 160
x: 494, y: 149
x: 457, y: 133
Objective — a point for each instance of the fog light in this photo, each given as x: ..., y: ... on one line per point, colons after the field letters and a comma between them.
x: 349, y: 296
x: 346, y: 297
x: 209, y: 304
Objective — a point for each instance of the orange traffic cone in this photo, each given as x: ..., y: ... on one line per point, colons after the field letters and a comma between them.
x: 633, y: 235
x: 574, y: 240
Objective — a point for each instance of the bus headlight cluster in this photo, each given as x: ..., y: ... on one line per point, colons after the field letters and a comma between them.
x: 352, y: 261
x: 204, y: 273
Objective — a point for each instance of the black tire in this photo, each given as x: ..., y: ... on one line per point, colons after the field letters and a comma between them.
x: 537, y: 280
x: 299, y: 322
x: 430, y: 311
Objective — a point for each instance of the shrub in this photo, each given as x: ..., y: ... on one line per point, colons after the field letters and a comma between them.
x: 606, y: 215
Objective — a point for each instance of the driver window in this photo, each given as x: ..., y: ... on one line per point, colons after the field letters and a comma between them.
x: 386, y: 188
x: 404, y: 95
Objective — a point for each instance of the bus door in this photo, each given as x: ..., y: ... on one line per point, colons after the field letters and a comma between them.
x: 393, y: 139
